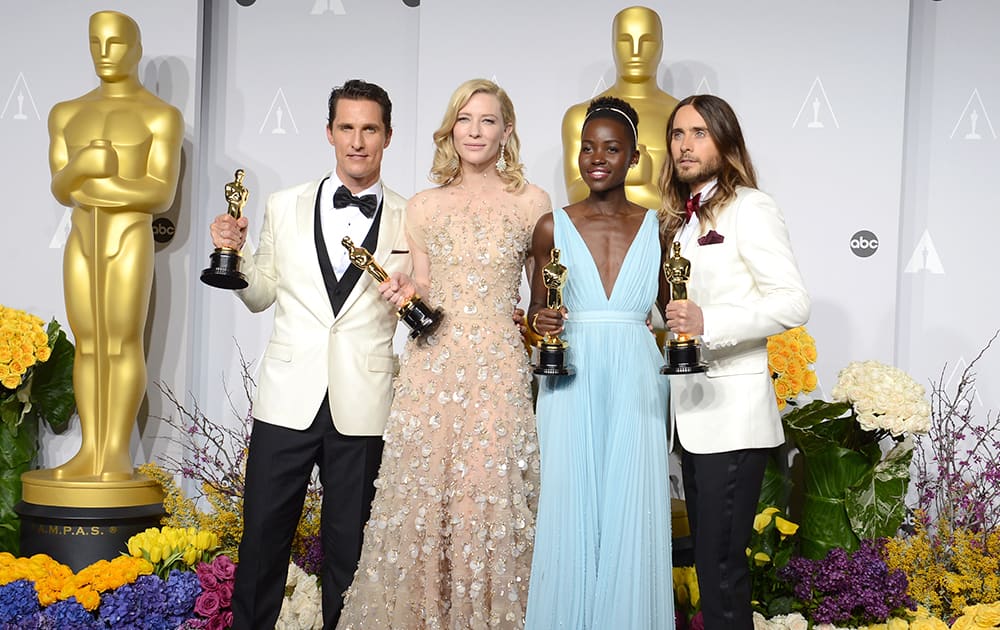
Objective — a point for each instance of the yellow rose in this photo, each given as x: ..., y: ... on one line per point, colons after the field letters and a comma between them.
x: 895, y: 623
x: 986, y: 615
x: 89, y: 599
x: 43, y: 353
x: 777, y: 362
x: 11, y: 382
x: 809, y: 382
x: 928, y: 623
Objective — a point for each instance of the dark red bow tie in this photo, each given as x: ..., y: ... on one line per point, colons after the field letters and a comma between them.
x: 691, y: 207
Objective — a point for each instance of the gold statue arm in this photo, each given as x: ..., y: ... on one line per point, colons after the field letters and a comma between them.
x: 572, y: 125
x: 92, y: 176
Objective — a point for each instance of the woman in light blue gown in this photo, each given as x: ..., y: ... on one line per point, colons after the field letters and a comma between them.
x: 602, y: 558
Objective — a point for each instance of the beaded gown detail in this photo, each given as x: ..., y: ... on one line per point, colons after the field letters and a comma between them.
x: 602, y: 558
x: 449, y: 541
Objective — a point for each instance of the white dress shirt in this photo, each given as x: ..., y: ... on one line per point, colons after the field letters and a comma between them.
x: 337, y: 223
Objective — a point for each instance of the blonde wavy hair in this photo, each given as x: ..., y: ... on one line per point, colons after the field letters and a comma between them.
x: 447, y: 167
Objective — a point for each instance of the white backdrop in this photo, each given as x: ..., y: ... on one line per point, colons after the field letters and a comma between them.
x: 867, y: 121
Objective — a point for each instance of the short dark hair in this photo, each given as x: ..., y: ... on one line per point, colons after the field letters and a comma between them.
x: 358, y: 90
x: 615, y: 109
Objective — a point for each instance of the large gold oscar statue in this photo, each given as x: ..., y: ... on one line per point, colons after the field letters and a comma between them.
x: 637, y: 38
x: 115, y: 158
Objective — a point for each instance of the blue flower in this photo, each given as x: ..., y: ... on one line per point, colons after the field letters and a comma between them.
x: 182, y: 588
x: 18, y: 600
x: 137, y: 606
x: 69, y: 613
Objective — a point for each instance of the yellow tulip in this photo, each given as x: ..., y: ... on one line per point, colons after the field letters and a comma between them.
x: 190, y: 556
x: 155, y: 554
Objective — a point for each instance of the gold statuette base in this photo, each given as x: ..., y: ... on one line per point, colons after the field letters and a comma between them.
x: 40, y: 487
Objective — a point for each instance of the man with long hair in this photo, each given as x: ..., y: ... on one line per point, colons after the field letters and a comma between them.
x: 744, y: 286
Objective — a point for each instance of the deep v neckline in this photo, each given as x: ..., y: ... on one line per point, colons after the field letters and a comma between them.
x: 593, y: 262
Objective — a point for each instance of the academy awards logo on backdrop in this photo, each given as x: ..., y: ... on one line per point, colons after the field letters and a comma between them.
x: 703, y: 87
x: 20, y: 103
x: 864, y: 243
x: 960, y: 366
x: 816, y: 111
x: 328, y: 6
x: 600, y: 87
x: 974, y: 122
x: 279, y: 117
x: 924, y: 257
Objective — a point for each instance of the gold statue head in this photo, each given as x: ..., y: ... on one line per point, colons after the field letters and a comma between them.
x: 115, y: 45
x: 447, y: 166
x: 638, y: 43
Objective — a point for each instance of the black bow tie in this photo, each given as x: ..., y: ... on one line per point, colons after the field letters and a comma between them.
x: 366, y: 203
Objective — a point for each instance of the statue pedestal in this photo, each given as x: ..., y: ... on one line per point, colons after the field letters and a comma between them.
x: 78, y: 522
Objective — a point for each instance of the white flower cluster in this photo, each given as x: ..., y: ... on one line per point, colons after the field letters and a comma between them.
x: 884, y: 397
x: 794, y: 621
x: 302, y: 608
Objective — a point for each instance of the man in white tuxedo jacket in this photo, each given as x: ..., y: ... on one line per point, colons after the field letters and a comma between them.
x: 744, y: 286
x: 325, y: 382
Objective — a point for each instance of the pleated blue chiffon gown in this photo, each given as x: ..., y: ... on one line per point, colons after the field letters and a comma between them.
x: 602, y: 558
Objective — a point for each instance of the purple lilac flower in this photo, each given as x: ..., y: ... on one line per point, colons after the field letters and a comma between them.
x: 311, y: 561
x: 18, y: 600
x: 848, y: 589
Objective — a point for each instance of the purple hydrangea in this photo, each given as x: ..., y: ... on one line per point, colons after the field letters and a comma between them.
x: 849, y: 589
x: 181, y: 590
x: 137, y: 606
x: 18, y: 600
x: 69, y: 613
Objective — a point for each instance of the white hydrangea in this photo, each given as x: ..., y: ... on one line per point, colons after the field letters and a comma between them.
x: 302, y: 608
x: 884, y: 397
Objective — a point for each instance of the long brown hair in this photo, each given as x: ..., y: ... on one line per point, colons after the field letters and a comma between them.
x: 736, y: 168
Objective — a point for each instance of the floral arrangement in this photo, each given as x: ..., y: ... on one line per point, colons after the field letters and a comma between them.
x: 945, y: 586
x: 789, y: 356
x: 771, y: 548
x: 849, y: 589
x: 687, y: 599
x: 215, y: 460
x: 36, y: 383
x: 214, y: 604
x: 953, y: 555
x: 884, y: 398
x: 39, y: 592
x: 302, y: 608
x: 852, y: 489
x: 174, y: 548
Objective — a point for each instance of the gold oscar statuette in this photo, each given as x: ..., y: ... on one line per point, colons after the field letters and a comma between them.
x: 419, y: 318
x: 683, y: 353
x: 552, y: 349
x: 223, y: 271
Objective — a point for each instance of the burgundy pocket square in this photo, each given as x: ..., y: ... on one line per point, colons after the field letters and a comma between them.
x: 711, y: 238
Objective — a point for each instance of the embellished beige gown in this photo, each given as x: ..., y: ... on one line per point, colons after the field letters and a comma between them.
x: 450, y: 537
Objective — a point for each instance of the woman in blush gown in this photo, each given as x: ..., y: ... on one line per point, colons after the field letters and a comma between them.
x: 449, y: 541
x: 602, y: 556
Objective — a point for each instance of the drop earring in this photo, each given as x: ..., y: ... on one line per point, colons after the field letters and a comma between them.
x: 501, y: 160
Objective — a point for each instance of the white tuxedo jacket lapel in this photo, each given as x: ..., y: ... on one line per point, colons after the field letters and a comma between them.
x: 305, y: 220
